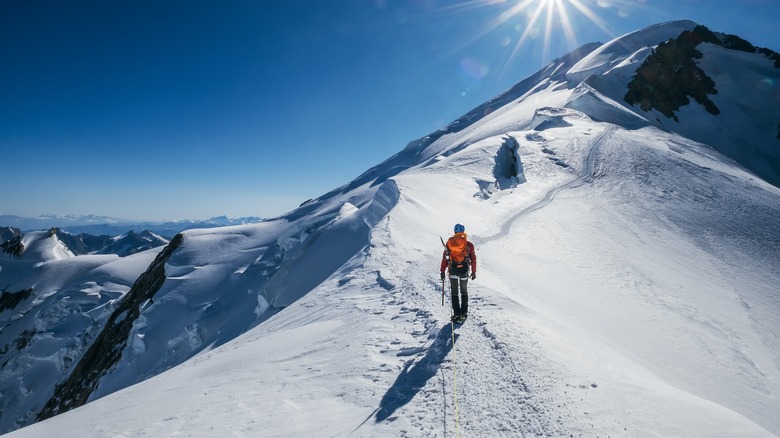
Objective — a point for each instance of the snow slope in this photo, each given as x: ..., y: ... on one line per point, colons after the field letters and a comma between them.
x: 627, y: 286
x: 63, y: 302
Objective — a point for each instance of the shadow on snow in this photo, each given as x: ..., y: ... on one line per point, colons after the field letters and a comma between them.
x: 416, y: 374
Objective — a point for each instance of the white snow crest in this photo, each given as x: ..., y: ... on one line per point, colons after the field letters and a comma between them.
x: 613, y: 53
x: 626, y: 286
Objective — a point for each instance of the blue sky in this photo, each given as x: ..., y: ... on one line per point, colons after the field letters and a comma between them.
x: 192, y: 109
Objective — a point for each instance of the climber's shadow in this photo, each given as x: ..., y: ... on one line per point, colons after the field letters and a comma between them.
x: 416, y: 374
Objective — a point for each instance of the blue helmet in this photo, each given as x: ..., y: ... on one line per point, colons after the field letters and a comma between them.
x: 460, y: 228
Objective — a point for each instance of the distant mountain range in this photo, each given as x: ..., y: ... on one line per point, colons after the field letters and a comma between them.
x: 627, y: 281
x: 12, y: 242
x: 92, y: 234
x: 104, y: 225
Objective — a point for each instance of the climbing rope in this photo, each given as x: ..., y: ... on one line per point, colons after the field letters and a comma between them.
x: 455, y: 379
x: 454, y: 370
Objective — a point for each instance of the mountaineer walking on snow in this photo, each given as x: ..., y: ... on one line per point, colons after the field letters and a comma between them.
x: 459, y: 256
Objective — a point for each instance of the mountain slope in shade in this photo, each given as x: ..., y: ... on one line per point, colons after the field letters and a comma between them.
x: 53, y: 305
x: 626, y: 286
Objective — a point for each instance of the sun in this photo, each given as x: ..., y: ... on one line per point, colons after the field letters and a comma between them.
x: 534, y: 23
x: 549, y: 16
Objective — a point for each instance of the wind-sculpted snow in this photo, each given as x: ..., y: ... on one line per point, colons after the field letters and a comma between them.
x: 105, y: 351
x: 44, y: 246
x: 53, y: 309
x: 604, y: 60
x: 423, y: 149
x: 222, y: 282
x: 747, y: 87
x: 508, y: 170
x: 416, y: 374
x: 627, y: 286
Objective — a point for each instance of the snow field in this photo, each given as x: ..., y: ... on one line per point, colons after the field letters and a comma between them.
x: 627, y: 286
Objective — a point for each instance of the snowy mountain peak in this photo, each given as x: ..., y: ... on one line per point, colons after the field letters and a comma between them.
x: 630, y: 48
x: 681, y: 77
x: 609, y: 237
x: 44, y: 246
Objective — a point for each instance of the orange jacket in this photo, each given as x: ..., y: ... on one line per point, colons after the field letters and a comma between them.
x: 472, y: 257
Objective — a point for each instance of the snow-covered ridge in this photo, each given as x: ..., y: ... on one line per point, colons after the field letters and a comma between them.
x: 632, y: 47
x: 53, y: 308
x: 44, y: 246
x: 743, y: 118
x: 626, y: 271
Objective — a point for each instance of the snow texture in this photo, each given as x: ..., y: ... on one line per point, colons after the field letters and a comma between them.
x: 627, y: 286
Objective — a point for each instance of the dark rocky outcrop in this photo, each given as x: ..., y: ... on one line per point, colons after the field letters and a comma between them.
x: 771, y: 54
x: 9, y: 300
x: 107, y: 348
x: 8, y: 233
x: 83, y: 243
x: 132, y: 243
x: 13, y: 246
x: 669, y: 76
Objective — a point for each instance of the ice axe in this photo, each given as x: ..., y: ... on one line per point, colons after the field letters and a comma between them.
x: 442, y: 280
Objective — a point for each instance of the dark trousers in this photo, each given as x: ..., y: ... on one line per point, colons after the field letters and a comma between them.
x: 460, y: 307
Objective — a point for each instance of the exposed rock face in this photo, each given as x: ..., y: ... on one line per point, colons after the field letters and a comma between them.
x: 9, y: 300
x: 14, y: 246
x: 84, y: 243
x: 771, y: 54
x: 132, y: 243
x: 676, y: 71
x: 105, y: 352
x: 669, y: 76
x: 8, y: 233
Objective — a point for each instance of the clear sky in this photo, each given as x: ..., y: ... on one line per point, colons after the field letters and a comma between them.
x: 190, y: 109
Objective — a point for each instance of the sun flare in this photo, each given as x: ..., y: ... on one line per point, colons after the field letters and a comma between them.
x: 549, y: 19
x: 523, y: 27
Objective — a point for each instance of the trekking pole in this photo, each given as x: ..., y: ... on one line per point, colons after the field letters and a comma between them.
x: 442, y: 280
